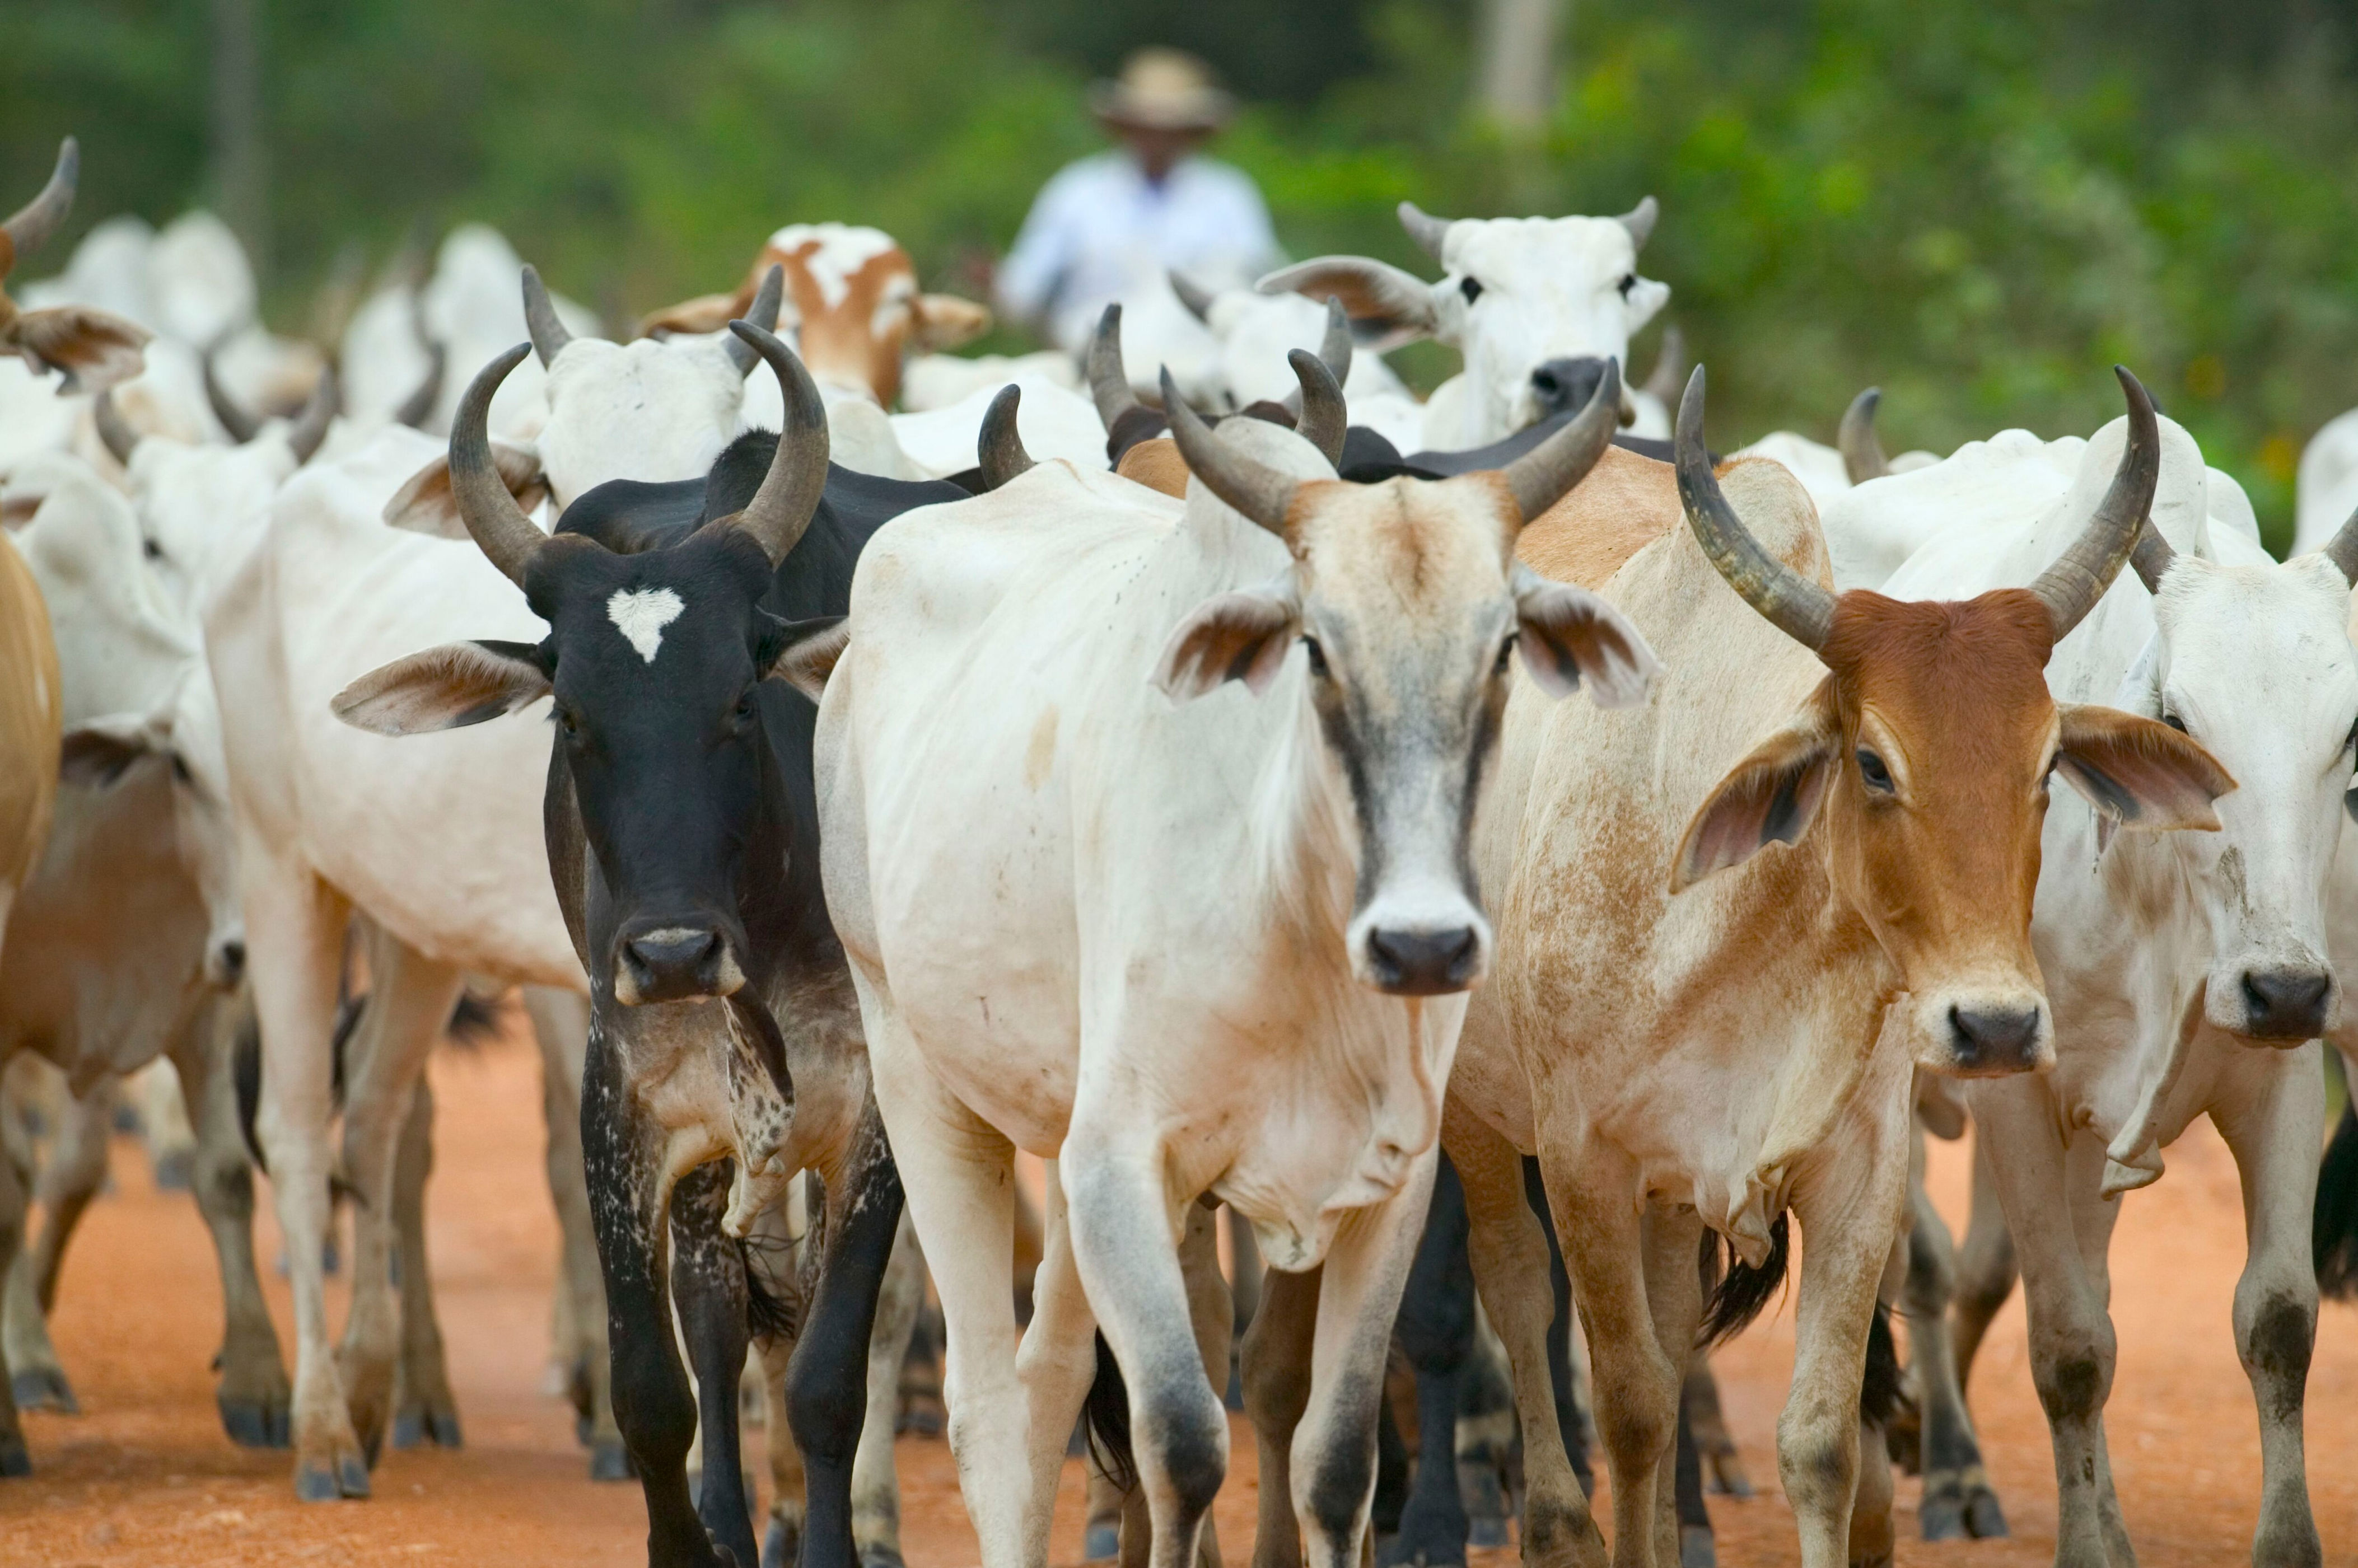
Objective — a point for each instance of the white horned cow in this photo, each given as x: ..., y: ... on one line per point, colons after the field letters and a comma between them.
x: 1538, y: 306
x: 90, y: 348
x: 2189, y: 975
x: 1180, y: 938
x: 1715, y: 981
x: 1255, y: 331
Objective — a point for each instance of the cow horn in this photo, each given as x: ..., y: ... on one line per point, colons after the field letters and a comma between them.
x: 1639, y: 221
x: 418, y: 407
x: 1546, y: 474
x: 500, y: 528
x: 1108, y: 378
x: 763, y: 314
x: 1262, y: 493
x: 781, y: 510
x: 2342, y: 549
x: 1861, y: 453
x: 2153, y: 557
x: 1792, y: 603
x: 1426, y: 230
x: 549, y: 334
x: 1669, y: 365
x: 1334, y: 352
x: 2071, y: 587
x: 999, y: 451
x: 1193, y: 295
x: 310, y: 426
x: 241, y: 426
x: 1324, y: 418
x: 30, y: 228
x: 113, y: 430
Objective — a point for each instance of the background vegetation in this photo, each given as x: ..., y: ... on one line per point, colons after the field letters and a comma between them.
x: 1979, y: 203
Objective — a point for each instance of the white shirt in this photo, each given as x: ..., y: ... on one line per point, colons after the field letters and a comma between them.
x: 1100, y: 232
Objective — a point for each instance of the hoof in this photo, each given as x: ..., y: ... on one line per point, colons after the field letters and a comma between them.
x: 1485, y: 1504
x: 1486, y: 1532
x: 1104, y: 1543
x: 881, y: 1555
x: 782, y: 1545
x: 1984, y: 1520
x: 319, y: 1483
x: 252, y: 1424
x: 177, y: 1172
x: 44, y: 1389
x: 420, y: 1425
x: 1941, y: 1518
x: 611, y: 1461
x: 1401, y: 1552
x: 14, y: 1459
x: 1696, y: 1549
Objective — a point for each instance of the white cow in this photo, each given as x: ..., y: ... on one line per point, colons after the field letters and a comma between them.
x: 1255, y: 331
x: 1536, y: 305
x: 2169, y: 958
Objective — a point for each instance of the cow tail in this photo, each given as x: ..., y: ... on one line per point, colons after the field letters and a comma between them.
x: 1744, y: 1291
x: 1108, y: 1411
x: 246, y: 1077
x: 770, y: 1312
x: 1880, y: 1393
x: 2333, y: 1226
x: 474, y: 1023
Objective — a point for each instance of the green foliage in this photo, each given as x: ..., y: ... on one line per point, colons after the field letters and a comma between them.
x: 1979, y: 204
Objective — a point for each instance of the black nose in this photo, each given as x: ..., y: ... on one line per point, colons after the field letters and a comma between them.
x: 1995, y: 1040
x: 233, y: 962
x: 2286, y: 1004
x: 1564, y: 386
x: 1423, y: 963
x: 674, y: 962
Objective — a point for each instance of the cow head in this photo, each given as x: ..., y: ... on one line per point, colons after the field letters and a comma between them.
x: 2255, y: 663
x: 656, y: 662
x: 1409, y: 606
x: 1926, y: 754
x: 93, y: 349
x: 1538, y: 306
x: 852, y: 301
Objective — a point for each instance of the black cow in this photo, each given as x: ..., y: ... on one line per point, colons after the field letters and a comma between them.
x: 725, y: 1052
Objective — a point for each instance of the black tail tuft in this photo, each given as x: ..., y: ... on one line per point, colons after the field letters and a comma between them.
x: 1880, y: 1393
x: 1107, y: 1414
x: 1745, y: 1291
x: 246, y: 1077
x: 348, y: 1024
x: 2333, y: 1227
x: 769, y: 1311
x: 473, y: 1022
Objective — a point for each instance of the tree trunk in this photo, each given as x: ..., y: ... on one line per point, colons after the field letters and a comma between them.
x: 240, y: 166
x: 1514, y: 82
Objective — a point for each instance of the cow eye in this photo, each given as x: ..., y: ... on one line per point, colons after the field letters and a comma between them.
x: 151, y: 549
x: 746, y: 707
x: 567, y: 722
x: 1628, y: 282
x: 1471, y: 288
x: 2174, y: 721
x: 180, y: 774
x: 1317, y: 657
x: 1506, y: 655
x: 1871, y: 769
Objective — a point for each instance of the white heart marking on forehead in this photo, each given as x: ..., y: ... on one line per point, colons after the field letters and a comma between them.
x: 641, y: 613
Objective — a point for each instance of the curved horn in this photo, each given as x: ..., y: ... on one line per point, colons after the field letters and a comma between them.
x: 2153, y: 557
x: 1546, y: 474
x: 999, y: 451
x: 241, y: 426
x: 1193, y: 295
x: 500, y: 528
x: 763, y: 314
x: 549, y: 334
x: 114, y: 430
x: 1669, y: 365
x: 781, y: 510
x: 2341, y: 550
x: 1108, y: 378
x: 1789, y: 602
x: 1862, y: 452
x: 310, y: 426
x: 30, y: 228
x: 1262, y: 493
x: 418, y: 407
x: 1639, y: 221
x: 1323, y: 419
x: 2071, y: 587
x: 1335, y: 349
x: 1426, y: 230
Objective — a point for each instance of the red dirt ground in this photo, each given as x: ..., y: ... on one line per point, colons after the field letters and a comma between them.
x: 145, y: 1477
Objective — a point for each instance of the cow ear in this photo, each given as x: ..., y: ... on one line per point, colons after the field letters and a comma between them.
x: 1569, y: 634
x: 425, y: 505
x: 1234, y: 637
x: 946, y: 321
x: 447, y: 687
x: 2136, y: 771
x: 94, y: 348
x: 1394, y: 306
x: 1770, y: 797
x: 806, y: 653
x: 98, y: 752
x: 705, y: 313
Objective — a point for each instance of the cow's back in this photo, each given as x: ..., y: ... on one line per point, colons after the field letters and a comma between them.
x: 29, y: 718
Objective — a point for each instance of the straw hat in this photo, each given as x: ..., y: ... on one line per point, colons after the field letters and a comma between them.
x: 1163, y: 89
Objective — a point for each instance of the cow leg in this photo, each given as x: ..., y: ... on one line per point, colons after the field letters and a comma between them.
x: 708, y: 1290
x: 1244, y: 1291
x: 2274, y: 1121
x: 560, y: 1027
x: 828, y: 1375
x: 295, y: 942
x: 1957, y: 1499
x: 1435, y: 1330
x: 1714, y: 1445
x: 1986, y: 1265
x: 410, y: 1000
x: 73, y: 1175
x: 167, y: 1123
x: 1674, y: 1297
x: 1697, y: 1547
x: 1275, y: 1365
x: 253, y: 1395
x: 423, y: 1407
x: 1212, y: 1310
x: 15, y: 1195
x: 875, y: 1487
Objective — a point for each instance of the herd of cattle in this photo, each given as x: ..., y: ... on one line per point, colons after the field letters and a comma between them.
x: 1127, y: 765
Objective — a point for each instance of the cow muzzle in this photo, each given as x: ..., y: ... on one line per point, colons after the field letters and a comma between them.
x: 1566, y: 385
x: 2276, y: 1004
x: 675, y: 961
x: 1979, y: 1033
x: 225, y: 963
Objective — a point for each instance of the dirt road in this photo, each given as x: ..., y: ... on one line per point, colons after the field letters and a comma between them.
x: 145, y: 1477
